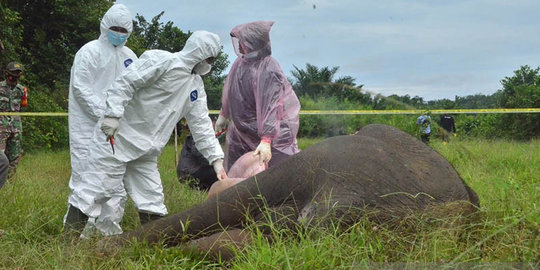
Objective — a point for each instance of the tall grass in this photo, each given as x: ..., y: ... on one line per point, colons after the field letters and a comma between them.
x: 505, y: 175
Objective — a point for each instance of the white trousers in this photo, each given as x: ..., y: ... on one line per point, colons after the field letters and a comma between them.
x: 100, y: 191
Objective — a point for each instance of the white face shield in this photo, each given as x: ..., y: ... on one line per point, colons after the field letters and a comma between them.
x: 237, y: 47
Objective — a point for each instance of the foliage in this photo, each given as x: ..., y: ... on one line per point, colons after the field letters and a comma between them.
x: 319, y: 82
x: 475, y: 101
x: 326, y: 125
x: 165, y: 36
x: 44, y: 132
x: 520, y: 91
x: 53, y: 32
x: 395, y: 102
x: 10, y: 35
x: 156, y: 35
x: 45, y: 42
x: 333, y: 125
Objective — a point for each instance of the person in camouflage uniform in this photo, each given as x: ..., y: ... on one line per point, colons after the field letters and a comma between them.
x: 13, y: 97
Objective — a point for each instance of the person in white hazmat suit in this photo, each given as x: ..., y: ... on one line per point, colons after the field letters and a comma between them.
x: 143, y: 106
x: 96, y: 65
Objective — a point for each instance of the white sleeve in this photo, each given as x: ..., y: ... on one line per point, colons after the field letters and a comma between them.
x: 200, y: 125
x: 83, y: 75
x: 138, y: 75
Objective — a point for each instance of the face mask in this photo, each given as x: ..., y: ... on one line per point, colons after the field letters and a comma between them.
x: 202, y: 68
x: 116, y: 38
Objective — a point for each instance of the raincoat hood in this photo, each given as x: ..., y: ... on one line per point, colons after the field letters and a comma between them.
x: 252, y: 40
x: 200, y: 46
x: 117, y: 15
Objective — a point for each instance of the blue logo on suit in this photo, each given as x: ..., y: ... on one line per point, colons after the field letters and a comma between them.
x: 128, y: 62
x: 193, y: 95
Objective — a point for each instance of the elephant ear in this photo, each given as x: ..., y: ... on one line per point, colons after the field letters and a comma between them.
x: 246, y: 166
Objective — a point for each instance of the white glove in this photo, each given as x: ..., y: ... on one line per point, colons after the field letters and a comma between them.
x: 110, y: 126
x: 220, y: 171
x: 221, y: 124
x: 264, y: 151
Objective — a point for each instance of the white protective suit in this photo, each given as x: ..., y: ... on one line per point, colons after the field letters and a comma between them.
x: 96, y: 65
x: 150, y: 98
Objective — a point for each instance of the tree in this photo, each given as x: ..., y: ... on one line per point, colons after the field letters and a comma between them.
x: 45, y: 42
x: 312, y: 80
x: 156, y: 35
x: 10, y: 35
x: 165, y: 36
x: 520, y: 91
x: 477, y: 101
x: 319, y: 83
x: 53, y: 32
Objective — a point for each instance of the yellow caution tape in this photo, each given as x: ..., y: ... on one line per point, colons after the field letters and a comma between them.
x: 33, y: 113
x: 454, y: 111
x: 337, y: 112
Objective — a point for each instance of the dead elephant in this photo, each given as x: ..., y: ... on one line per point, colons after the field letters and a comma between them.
x: 379, y: 168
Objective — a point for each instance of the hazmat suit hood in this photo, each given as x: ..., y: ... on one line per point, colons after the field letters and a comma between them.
x: 117, y: 15
x: 252, y: 40
x: 200, y: 46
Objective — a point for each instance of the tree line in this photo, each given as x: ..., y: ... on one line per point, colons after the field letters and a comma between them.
x: 45, y: 35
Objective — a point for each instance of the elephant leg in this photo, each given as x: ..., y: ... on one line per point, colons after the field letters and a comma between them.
x: 280, y: 216
x: 222, y: 245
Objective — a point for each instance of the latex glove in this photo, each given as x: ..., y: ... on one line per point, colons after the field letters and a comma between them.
x: 110, y: 126
x: 220, y: 171
x: 221, y: 123
x: 264, y: 151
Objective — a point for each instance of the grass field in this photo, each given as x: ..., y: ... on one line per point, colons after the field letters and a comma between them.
x: 506, y: 176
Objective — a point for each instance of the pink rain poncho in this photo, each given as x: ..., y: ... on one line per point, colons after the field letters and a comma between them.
x: 257, y: 98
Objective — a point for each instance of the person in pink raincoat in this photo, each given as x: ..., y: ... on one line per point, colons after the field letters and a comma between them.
x: 259, y: 105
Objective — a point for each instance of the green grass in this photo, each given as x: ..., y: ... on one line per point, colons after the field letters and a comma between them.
x: 504, y: 174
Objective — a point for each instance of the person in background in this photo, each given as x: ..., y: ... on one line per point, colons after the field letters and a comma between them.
x: 142, y: 108
x: 424, y: 126
x: 13, y: 97
x: 96, y: 65
x: 258, y: 104
x: 447, y: 123
x: 4, y: 167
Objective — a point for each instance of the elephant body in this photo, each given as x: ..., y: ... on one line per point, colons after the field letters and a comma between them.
x: 379, y: 168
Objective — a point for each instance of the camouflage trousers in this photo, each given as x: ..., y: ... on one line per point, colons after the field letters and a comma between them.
x: 11, y: 145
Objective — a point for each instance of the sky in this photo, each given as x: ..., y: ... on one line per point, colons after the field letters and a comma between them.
x: 431, y: 49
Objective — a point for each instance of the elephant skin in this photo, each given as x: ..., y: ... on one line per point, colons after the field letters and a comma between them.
x: 379, y: 168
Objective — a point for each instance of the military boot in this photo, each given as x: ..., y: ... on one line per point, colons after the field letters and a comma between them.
x: 148, y: 217
x: 75, y: 223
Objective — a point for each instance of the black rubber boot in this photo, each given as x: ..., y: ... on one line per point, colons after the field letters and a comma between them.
x: 75, y: 222
x: 148, y: 217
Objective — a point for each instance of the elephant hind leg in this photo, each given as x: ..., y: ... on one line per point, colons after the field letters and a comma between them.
x: 276, y: 217
x: 222, y: 245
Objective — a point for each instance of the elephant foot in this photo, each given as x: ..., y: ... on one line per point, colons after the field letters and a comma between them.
x: 224, y: 245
